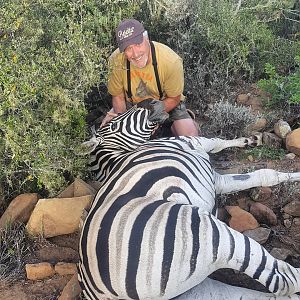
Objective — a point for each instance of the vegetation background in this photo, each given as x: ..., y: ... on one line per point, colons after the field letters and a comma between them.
x: 53, y: 71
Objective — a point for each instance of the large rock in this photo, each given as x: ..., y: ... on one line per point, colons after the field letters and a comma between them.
x: 293, y: 208
x: 240, y: 219
x: 39, y: 271
x: 19, y: 209
x: 57, y: 216
x: 282, y: 128
x: 259, y: 234
x: 76, y: 189
x: 71, y: 290
x: 292, y: 141
x: 263, y: 214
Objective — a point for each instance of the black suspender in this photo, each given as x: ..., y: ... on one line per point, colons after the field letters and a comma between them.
x: 154, y: 63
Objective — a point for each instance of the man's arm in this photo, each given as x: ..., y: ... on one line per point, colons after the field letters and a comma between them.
x: 118, y: 106
x: 171, y: 102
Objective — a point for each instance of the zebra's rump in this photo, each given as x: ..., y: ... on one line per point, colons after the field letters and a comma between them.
x: 154, y: 246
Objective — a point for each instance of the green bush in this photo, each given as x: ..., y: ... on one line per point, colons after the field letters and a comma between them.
x: 284, y: 90
x: 51, y: 53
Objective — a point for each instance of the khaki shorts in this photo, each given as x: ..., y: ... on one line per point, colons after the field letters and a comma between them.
x: 179, y: 113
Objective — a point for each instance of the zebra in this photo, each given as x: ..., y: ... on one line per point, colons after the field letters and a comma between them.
x: 152, y: 231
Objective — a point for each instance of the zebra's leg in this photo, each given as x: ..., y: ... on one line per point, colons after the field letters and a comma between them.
x: 215, y: 145
x: 227, y: 248
x: 228, y: 183
x: 210, y: 289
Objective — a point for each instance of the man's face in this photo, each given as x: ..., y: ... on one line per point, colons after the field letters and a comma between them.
x: 138, y: 54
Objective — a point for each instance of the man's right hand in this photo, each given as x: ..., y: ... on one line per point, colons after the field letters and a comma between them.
x: 109, y: 116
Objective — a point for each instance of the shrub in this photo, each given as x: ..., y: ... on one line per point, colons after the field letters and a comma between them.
x: 284, y: 90
x: 14, y: 247
x: 51, y: 53
x: 228, y: 120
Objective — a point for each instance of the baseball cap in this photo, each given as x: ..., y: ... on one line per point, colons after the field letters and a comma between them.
x: 129, y: 32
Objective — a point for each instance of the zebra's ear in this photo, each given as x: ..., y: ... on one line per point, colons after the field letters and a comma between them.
x: 89, y: 146
x: 157, y: 112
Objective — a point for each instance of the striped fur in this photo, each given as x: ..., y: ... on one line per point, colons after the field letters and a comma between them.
x: 151, y: 232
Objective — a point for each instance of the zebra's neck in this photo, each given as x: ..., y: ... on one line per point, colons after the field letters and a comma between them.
x: 104, y: 159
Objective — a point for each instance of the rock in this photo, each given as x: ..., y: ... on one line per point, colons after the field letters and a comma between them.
x: 290, y: 156
x: 280, y: 253
x: 250, y: 100
x: 292, y: 141
x: 261, y: 194
x: 63, y: 268
x: 39, y: 271
x: 263, y: 214
x: 240, y: 219
x: 57, y: 216
x: 259, y: 125
x: 272, y: 140
x: 282, y: 128
x: 244, y: 203
x: 76, y: 189
x: 19, y: 209
x: 242, y: 98
x: 287, y: 223
x: 54, y: 254
x: 259, y: 234
x: 293, y: 208
x: 71, y: 290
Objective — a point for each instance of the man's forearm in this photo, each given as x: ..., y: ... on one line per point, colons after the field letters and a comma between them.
x: 171, y: 102
x: 118, y: 103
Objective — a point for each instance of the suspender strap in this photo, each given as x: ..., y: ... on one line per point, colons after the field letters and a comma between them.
x: 129, y: 93
x: 154, y: 63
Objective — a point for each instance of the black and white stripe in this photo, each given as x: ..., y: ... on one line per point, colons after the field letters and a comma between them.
x: 151, y: 232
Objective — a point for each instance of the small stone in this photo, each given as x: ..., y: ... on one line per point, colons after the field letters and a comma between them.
x: 287, y: 223
x: 286, y: 216
x: 250, y: 158
x: 280, y: 253
x: 293, y: 208
x: 263, y: 214
x: 63, y: 268
x: 290, y: 156
x: 242, y: 98
x: 259, y: 125
x: 72, y: 289
x: 282, y: 128
x: 240, y: 219
x: 261, y: 194
x: 259, y: 234
x: 296, y: 221
x: 39, y: 271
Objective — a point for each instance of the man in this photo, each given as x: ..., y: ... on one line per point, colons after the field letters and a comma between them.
x: 136, y: 76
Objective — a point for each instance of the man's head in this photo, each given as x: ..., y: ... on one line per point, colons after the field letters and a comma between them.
x: 133, y: 41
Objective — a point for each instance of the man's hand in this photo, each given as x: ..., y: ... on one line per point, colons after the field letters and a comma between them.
x: 158, y: 113
x: 109, y: 116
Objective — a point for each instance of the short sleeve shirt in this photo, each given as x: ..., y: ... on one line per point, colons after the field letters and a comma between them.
x: 143, y: 81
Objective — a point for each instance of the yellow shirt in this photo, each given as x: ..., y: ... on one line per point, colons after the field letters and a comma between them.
x: 143, y: 82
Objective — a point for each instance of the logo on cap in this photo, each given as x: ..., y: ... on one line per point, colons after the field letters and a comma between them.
x: 125, y: 33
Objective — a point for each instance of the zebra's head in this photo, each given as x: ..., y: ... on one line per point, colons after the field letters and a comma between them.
x: 130, y: 129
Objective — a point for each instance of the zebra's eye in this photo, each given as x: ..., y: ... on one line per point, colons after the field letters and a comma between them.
x: 113, y: 126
